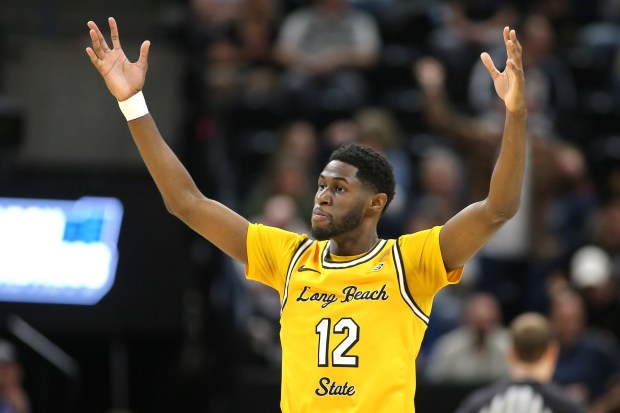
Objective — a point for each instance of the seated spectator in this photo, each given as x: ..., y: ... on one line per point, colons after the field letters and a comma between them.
x: 590, y: 274
x: 323, y: 48
x: 588, y: 365
x: 532, y: 358
x: 474, y: 352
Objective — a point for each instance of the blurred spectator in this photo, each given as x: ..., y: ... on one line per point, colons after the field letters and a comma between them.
x: 215, y: 12
x: 476, y: 23
x: 607, y: 232
x: 567, y: 16
x: 258, y: 74
x: 551, y: 94
x: 590, y: 273
x: 449, y: 307
x: 290, y: 171
x: 258, y: 24
x: 13, y: 397
x: 475, y: 138
x: 441, y: 190
x: 323, y: 47
x: 465, y: 28
x: 239, y: 57
x: 258, y: 306
x: 564, y: 201
x: 474, y: 352
x: 299, y: 143
x: 439, y: 196
x: 506, y: 270
x: 337, y: 133
x: 283, y: 177
x: 532, y: 358
x: 588, y: 365
x: 380, y: 130
x: 280, y: 211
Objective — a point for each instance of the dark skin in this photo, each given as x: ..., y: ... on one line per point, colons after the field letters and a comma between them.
x: 339, y: 191
x: 460, y: 238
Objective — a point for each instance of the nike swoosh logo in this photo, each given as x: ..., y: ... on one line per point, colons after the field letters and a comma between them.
x: 304, y: 268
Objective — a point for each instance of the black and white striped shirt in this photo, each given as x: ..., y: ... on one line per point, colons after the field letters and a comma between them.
x: 520, y: 397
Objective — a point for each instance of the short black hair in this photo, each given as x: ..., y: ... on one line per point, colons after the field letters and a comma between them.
x: 373, y: 168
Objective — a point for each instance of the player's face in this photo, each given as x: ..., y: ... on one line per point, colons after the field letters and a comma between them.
x: 339, y: 201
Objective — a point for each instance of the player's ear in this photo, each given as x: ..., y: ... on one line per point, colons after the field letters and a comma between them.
x: 378, y: 201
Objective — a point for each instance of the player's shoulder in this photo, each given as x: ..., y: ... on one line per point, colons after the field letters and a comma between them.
x: 424, y: 232
x: 262, y: 234
x: 420, y: 236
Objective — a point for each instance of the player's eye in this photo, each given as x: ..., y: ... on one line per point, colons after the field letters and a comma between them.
x: 340, y: 189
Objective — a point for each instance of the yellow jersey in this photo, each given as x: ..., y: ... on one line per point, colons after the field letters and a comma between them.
x: 350, y: 327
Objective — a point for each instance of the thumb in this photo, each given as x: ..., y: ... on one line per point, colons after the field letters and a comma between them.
x: 144, y: 53
x: 488, y: 63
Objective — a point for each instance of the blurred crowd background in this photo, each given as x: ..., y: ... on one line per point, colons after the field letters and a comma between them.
x: 253, y: 95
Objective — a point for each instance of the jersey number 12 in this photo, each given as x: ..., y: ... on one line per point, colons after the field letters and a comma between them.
x: 340, y: 356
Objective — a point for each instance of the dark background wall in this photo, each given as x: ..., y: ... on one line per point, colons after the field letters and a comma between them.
x: 74, y: 142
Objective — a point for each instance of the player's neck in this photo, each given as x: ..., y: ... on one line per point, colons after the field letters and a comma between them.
x: 352, y: 244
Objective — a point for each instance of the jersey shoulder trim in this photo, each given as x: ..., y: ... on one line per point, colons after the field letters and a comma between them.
x: 402, y: 283
x: 300, y: 250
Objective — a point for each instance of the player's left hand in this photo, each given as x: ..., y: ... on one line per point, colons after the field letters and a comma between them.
x: 510, y: 83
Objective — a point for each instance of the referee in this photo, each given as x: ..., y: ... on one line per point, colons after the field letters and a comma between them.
x: 531, y: 358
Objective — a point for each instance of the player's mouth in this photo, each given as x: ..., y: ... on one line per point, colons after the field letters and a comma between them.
x: 319, y: 216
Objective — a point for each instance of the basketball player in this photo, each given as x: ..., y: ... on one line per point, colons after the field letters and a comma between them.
x: 354, y: 307
x: 532, y: 359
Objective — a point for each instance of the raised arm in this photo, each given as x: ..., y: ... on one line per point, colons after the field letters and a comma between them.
x: 464, y: 234
x: 214, y: 221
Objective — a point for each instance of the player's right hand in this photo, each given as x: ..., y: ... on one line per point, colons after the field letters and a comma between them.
x: 122, y: 77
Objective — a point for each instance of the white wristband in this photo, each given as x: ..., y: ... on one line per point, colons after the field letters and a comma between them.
x: 134, y: 107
